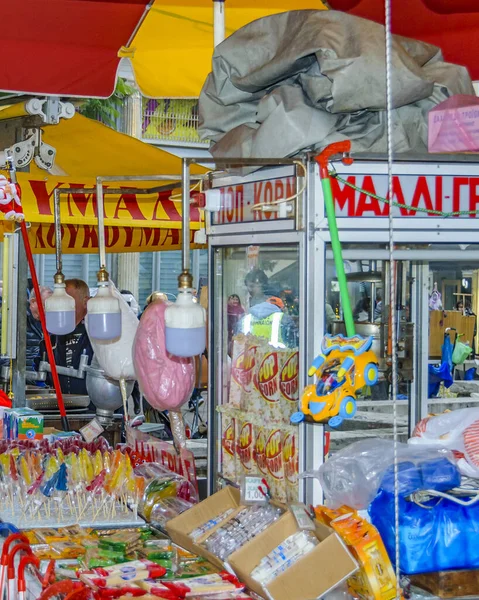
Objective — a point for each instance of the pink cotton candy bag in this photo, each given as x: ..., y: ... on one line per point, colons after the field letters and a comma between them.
x: 166, y: 381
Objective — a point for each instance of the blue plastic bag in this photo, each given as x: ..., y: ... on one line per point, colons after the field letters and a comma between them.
x: 438, y: 373
x: 440, y: 537
x: 439, y: 474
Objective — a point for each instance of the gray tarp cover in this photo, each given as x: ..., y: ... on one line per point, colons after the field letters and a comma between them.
x: 304, y: 79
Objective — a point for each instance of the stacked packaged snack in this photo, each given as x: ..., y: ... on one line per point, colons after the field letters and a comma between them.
x: 245, y: 443
x: 375, y: 579
x: 237, y: 371
x: 229, y: 457
x: 291, y: 462
x: 264, y: 384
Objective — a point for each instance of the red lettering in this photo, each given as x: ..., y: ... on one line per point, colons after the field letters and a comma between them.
x: 130, y: 204
x: 39, y: 189
x: 344, y: 195
x: 230, y: 209
x: 90, y: 239
x: 73, y: 234
x: 421, y: 192
x: 458, y: 182
x: 398, y: 196
x: 473, y: 195
x: 112, y: 235
x: 367, y: 203
x: 39, y: 241
x: 168, y: 206
x: 51, y: 237
x: 128, y: 236
x: 438, y: 193
x: 279, y: 190
x: 290, y: 187
x: 81, y: 201
x: 258, y: 188
x: 239, y: 202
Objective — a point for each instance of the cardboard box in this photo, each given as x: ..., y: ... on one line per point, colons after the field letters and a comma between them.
x: 181, y: 526
x: 26, y: 424
x: 312, y: 576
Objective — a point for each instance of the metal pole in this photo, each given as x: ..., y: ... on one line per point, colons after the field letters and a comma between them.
x: 101, y: 223
x: 185, y: 215
x: 19, y: 364
x: 58, y: 229
x: 218, y: 21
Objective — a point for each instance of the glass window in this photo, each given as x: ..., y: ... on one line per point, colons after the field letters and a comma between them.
x: 256, y: 314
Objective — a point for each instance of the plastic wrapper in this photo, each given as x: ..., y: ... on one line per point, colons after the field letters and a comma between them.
x: 458, y: 431
x: 115, y: 357
x: 166, y: 381
x: 353, y: 475
x: 160, y: 485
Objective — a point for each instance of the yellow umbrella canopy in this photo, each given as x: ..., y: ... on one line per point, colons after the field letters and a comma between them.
x: 87, y: 149
x: 172, y: 49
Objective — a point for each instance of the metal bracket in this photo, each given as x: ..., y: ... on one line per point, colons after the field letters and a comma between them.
x: 50, y: 109
x: 31, y: 148
x: 67, y: 371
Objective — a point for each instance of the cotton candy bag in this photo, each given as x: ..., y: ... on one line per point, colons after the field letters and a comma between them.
x: 166, y: 381
x: 115, y: 357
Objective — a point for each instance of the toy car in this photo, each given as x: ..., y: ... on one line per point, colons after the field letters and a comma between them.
x: 344, y: 366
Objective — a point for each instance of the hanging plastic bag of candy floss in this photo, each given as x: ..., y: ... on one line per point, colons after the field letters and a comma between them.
x: 166, y: 381
x: 115, y: 356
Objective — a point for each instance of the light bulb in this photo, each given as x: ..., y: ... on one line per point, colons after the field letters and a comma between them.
x: 60, y: 311
x: 104, y: 315
x: 185, y: 326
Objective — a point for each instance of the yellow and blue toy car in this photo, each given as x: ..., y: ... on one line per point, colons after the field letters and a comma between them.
x: 344, y: 366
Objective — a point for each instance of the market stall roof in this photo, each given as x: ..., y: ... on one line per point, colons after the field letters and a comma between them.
x: 453, y: 26
x: 87, y: 149
x: 73, y: 47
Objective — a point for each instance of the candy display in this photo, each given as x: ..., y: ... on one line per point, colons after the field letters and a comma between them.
x: 71, y: 481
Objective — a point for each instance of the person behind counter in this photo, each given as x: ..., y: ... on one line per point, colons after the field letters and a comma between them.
x: 34, y: 326
x: 256, y: 282
x: 68, y: 348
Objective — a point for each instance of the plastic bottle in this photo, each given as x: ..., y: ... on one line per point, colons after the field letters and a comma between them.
x: 185, y: 326
x: 104, y: 315
x: 60, y: 311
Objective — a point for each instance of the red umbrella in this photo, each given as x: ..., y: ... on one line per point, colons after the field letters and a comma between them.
x: 453, y: 26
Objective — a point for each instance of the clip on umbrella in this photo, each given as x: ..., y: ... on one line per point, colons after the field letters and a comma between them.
x: 342, y: 148
x: 41, y: 310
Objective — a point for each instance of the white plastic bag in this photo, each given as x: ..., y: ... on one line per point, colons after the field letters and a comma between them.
x: 458, y: 431
x: 115, y: 357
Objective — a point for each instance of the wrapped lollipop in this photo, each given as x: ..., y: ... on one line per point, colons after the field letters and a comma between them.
x: 97, y: 463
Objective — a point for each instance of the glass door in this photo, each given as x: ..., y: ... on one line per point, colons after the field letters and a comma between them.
x: 257, y: 300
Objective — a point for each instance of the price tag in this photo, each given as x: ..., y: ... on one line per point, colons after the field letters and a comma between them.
x: 91, y: 430
x: 251, y: 490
